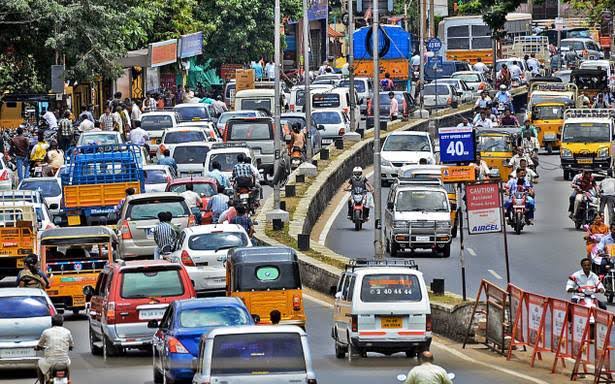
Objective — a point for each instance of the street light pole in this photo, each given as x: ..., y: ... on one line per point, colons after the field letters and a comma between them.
x: 276, y: 111
x: 421, y: 52
x: 307, y: 103
x: 351, y: 65
x: 378, y: 248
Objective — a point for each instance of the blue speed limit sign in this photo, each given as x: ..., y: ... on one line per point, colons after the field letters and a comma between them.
x: 456, y: 145
x: 434, y: 44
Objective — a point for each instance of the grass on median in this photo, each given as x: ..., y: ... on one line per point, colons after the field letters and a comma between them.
x: 446, y: 299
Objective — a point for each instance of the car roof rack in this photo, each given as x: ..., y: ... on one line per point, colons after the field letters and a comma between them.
x: 421, y: 179
x: 365, y: 263
x: 587, y: 112
x: 229, y: 145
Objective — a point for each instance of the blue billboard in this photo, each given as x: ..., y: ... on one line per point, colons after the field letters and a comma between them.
x: 190, y: 45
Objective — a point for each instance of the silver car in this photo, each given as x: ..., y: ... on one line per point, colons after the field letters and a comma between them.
x: 24, y: 314
x: 190, y: 158
x: 279, y: 353
x: 139, y: 217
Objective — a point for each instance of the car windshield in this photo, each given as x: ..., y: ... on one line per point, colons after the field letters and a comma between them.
x: 155, y: 176
x: 580, y: 34
x: 218, y: 316
x: 586, y: 133
x: 385, y: 100
x: 225, y: 116
x: 468, y: 77
x: 156, y: 122
x: 251, y: 131
x: 359, y: 86
x: 226, y: 160
x: 430, y: 90
x: 390, y: 287
x: 47, y: 188
x: 590, y: 80
x: 191, y: 154
x: 573, y: 45
x: 192, y: 113
x: 16, y: 307
x: 184, y: 137
x: 419, y: 201
x: 151, y: 282
x: 326, y: 118
x: 535, y: 99
x: 203, y: 189
x: 548, y: 112
x: 149, y: 210
x: 214, y: 241
x: 326, y: 100
x: 257, y: 354
x: 494, y: 144
x: 99, y: 139
x: 407, y: 143
x: 264, y: 103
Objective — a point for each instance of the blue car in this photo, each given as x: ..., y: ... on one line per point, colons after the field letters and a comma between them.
x: 176, y: 341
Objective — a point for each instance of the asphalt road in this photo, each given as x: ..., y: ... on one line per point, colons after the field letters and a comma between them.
x: 541, y: 258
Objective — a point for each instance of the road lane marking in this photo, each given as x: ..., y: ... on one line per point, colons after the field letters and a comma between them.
x: 495, y: 274
x: 471, y: 251
x: 327, y: 227
x: 450, y: 350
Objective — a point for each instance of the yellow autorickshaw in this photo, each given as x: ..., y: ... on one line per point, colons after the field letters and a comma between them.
x: 267, y: 279
x: 496, y: 147
x: 548, y: 118
x: 73, y: 257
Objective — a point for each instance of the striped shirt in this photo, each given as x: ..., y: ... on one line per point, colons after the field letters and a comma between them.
x: 242, y: 170
x: 66, y: 128
x: 217, y: 204
x: 106, y: 122
x: 165, y: 234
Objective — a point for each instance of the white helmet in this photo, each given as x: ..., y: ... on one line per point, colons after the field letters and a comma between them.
x: 357, y: 172
x: 503, y: 87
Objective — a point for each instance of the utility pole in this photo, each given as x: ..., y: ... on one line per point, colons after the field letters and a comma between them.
x: 432, y: 8
x: 350, y: 30
x: 559, y: 32
x: 378, y: 248
x: 277, y: 213
x: 307, y: 103
x: 421, y: 51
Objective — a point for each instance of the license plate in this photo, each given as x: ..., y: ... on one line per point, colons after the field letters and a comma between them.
x: 149, y: 233
x: 151, y: 314
x: 244, y: 196
x: 17, y: 352
x: 74, y: 220
x: 60, y: 380
x: 78, y: 301
x: 585, y: 161
x: 422, y: 238
x: 391, y: 322
x: 327, y: 141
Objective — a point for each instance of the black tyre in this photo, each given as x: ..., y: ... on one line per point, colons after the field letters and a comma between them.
x: 357, y: 224
x: 96, y: 351
x: 518, y: 222
x: 394, y: 248
x: 446, y: 251
x: 411, y: 353
x: 454, y: 230
x: 609, y: 298
x: 109, y: 350
x: 158, y: 378
x: 340, y: 351
x: 549, y: 148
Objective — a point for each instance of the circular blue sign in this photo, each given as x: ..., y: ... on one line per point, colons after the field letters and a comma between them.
x: 434, y: 44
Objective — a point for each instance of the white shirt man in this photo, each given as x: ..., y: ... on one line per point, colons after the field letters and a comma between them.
x: 51, y: 120
x: 192, y: 198
x: 56, y: 341
x: 86, y: 126
x: 534, y: 65
x: 139, y: 136
x: 516, y: 160
x: 415, y: 61
x: 515, y: 71
x: 579, y: 280
x: 135, y: 113
x: 394, y: 109
x: 270, y: 70
x: 483, y: 101
x: 483, y: 122
x: 529, y: 173
x: 480, y: 67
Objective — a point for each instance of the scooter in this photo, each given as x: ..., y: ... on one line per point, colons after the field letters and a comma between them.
x: 59, y: 374
x: 518, y: 211
x: 587, y: 209
x: 358, y: 196
x: 296, y: 157
x: 402, y: 378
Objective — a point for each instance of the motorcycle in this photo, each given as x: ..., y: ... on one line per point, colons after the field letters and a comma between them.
x: 518, y: 212
x: 296, y: 157
x: 587, y: 209
x: 605, y: 272
x: 244, y: 196
x: 402, y: 378
x: 358, y: 196
x: 58, y: 374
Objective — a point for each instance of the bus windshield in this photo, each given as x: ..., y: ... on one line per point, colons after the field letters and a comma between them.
x: 586, y: 133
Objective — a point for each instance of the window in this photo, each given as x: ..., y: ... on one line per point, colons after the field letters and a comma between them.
x: 256, y: 104
x: 215, y: 241
x: 16, y: 307
x: 407, y: 143
x: 390, y: 287
x: 586, y: 133
x: 155, y: 176
x: 226, y: 160
x: 49, y: 188
x: 267, y: 273
x: 100, y: 283
x: 431, y: 90
x: 481, y: 31
x: 548, y: 112
x: 469, y: 77
x: 190, y: 155
x: 481, y: 42
x: 151, y: 282
x: 418, y: 201
x: 99, y: 139
x: 458, y: 37
x: 250, y: 131
x: 149, y: 210
x: 350, y: 292
x: 184, y: 137
x: 257, y: 354
x: 359, y: 86
x: 192, y: 113
x: 156, y: 122
x: 218, y: 316
x: 225, y: 116
x: 326, y: 118
x: 203, y: 189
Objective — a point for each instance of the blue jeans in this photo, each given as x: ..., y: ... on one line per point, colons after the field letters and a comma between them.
x: 23, y: 167
x: 529, y: 205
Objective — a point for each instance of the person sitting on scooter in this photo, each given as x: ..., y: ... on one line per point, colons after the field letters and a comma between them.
x: 242, y: 173
x: 584, y: 280
x: 595, y: 232
x: 297, y: 139
x: 515, y: 161
x: 358, y: 180
x: 521, y: 184
x: 508, y: 119
x: 56, y: 341
x: 581, y: 183
x: 504, y: 97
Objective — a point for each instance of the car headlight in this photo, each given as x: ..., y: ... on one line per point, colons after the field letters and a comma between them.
x: 386, y: 163
x: 603, y: 152
x: 400, y: 224
x: 566, y: 152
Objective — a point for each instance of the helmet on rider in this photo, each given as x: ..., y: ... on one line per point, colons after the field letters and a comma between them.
x: 503, y: 87
x: 31, y: 260
x: 357, y: 172
x: 296, y: 127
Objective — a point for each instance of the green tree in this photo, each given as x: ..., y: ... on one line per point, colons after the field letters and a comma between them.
x: 592, y: 8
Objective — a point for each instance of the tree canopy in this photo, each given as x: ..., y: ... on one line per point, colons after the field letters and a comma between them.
x: 91, y: 36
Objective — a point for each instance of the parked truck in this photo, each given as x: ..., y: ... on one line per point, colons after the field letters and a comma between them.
x: 96, y: 179
x: 18, y: 236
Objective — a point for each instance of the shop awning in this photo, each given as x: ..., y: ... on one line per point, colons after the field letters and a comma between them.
x: 135, y: 58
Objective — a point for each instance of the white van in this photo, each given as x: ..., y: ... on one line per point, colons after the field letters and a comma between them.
x: 297, y: 95
x: 269, y: 354
x: 336, y: 98
x: 383, y: 307
x: 155, y: 123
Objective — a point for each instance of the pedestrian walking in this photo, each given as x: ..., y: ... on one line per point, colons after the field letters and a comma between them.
x: 19, y: 150
x: 66, y: 132
x: 106, y: 120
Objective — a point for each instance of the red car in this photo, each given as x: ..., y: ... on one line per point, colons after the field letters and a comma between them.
x: 206, y: 187
x: 129, y: 294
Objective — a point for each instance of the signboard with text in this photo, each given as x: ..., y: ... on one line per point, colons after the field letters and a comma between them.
x: 163, y: 53
x: 190, y: 45
x: 456, y: 145
x: 484, y: 210
x: 458, y: 174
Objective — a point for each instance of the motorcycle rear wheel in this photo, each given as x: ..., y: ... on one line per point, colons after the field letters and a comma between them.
x: 518, y: 222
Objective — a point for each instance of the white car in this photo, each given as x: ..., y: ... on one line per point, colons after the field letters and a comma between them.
x: 155, y: 123
x: 49, y: 187
x: 297, y: 95
x: 100, y: 138
x: 192, y: 112
x: 211, y: 129
x: 157, y: 177
x: 202, y: 250
x: 402, y: 148
x: 465, y: 93
x: 180, y: 135
x: 226, y: 156
x: 7, y: 176
x: 440, y: 96
x: 332, y: 124
x: 190, y: 158
x: 474, y: 79
x: 225, y: 116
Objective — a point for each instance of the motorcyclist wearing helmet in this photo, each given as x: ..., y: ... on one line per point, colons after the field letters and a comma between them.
x: 581, y: 183
x: 521, y: 184
x: 56, y: 341
x: 358, y: 180
x: 504, y: 97
x: 31, y: 276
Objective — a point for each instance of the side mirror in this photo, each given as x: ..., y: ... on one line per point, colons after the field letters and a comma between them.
x: 320, y: 127
x: 57, y: 220
x: 256, y: 318
x: 152, y: 324
x: 53, y: 206
x: 88, y: 291
x: 437, y: 149
x: 390, y: 205
x: 332, y: 290
x: 339, y: 295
